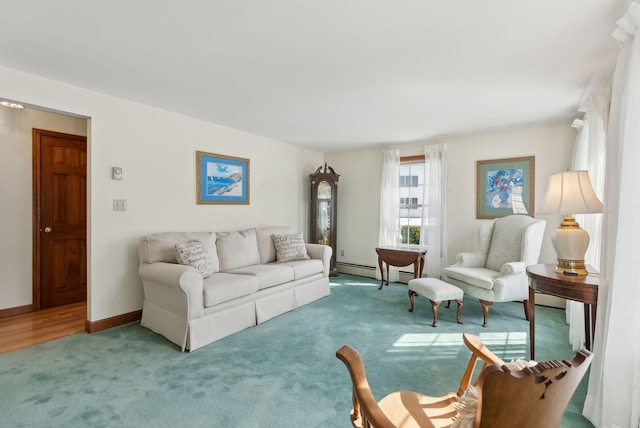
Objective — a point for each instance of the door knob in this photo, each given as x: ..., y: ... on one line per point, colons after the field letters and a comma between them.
x: 47, y: 229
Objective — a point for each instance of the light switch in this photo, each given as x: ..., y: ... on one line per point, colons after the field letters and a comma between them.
x: 119, y: 204
x: 116, y: 173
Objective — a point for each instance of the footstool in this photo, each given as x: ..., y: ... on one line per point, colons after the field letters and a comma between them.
x: 436, y: 291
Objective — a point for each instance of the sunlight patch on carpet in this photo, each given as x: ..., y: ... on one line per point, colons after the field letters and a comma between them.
x: 439, y: 344
x: 508, y: 344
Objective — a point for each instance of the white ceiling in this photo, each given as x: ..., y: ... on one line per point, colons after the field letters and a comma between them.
x: 332, y: 75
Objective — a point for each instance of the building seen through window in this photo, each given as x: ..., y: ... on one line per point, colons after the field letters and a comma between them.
x: 411, y: 182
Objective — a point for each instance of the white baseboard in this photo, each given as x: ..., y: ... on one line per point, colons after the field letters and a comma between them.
x: 367, y: 271
x: 552, y: 301
x: 355, y: 269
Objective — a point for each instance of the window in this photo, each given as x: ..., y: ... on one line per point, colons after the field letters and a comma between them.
x: 409, y: 202
x: 411, y: 181
x: 415, y: 214
x: 408, y: 180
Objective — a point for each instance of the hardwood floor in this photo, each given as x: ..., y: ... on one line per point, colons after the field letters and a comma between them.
x: 21, y: 331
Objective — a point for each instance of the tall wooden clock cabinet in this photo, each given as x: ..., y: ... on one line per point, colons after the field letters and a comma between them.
x: 323, y: 210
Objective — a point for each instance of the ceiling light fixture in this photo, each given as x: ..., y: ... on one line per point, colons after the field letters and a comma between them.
x: 11, y: 104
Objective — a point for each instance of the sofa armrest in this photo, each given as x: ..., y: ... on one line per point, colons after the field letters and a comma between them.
x: 471, y: 259
x: 321, y: 252
x: 163, y: 282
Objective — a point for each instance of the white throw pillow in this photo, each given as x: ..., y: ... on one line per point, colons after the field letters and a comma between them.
x: 290, y: 247
x: 466, y: 408
x: 195, y: 254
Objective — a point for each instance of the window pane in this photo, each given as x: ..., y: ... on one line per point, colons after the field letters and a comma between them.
x: 411, y: 203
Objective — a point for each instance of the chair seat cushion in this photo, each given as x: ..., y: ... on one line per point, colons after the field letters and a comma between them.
x: 410, y: 409
x: 480, y: 277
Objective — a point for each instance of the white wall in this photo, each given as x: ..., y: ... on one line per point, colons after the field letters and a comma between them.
x: 16, y: 185
x: 156, y: 150
x: 359, y: 187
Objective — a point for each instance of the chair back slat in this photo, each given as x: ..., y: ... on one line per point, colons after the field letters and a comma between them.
x: 529, y: 398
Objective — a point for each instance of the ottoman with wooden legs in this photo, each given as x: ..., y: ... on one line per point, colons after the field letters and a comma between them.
x: 436, y: 291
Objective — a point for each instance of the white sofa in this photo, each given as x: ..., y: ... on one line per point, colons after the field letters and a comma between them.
x: 247, y: 287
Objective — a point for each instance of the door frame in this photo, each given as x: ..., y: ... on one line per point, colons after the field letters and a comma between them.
x: 36, y: 204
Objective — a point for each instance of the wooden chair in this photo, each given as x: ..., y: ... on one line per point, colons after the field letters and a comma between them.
x: 531, y: 397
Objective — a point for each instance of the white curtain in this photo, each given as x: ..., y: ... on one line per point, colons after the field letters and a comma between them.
x: 589, y: 154
x: 433, y: 230
x: 389, y: 205
x: 613, y: 397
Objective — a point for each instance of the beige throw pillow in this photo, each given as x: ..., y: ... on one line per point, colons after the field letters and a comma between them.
x: 195, y: 254
x: 290, y: 247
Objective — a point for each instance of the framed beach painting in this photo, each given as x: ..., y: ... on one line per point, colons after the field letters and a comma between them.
x: 505, y: 187
x: 222, y: 179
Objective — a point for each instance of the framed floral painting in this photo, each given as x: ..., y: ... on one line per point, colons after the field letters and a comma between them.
x: 505, y: 187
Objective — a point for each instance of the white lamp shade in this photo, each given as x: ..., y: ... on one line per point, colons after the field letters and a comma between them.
x: 570, y: 192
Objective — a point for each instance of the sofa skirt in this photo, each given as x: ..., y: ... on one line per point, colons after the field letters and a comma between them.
x: 212, y: 327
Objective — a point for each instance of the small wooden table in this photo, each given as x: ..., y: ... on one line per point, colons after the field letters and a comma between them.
x: 402, y: 255
x: 544, y: 279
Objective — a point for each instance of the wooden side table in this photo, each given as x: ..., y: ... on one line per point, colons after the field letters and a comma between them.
x: 544, y: 279
x: 401, y: 256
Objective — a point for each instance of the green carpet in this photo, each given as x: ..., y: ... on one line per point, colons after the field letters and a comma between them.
x: 282, y: 373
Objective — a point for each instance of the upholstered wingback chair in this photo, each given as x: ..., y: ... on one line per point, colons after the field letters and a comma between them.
x: 496, y: 273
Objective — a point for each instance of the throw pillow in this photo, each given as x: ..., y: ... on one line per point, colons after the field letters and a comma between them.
x: 195, y: 254
x: 265, y: 242
x: 290, y: 247
x: 466, y: 409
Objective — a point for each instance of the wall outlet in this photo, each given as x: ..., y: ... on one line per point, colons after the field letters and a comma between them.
x: 119, y: 204
x: 341, y: 253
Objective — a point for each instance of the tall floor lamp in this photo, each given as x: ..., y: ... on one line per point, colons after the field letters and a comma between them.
x: 569, y: 193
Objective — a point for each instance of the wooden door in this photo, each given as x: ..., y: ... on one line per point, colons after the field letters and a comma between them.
x: 60, y: 221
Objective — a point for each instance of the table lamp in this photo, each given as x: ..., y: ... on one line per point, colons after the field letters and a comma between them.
x: 569, y: 193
